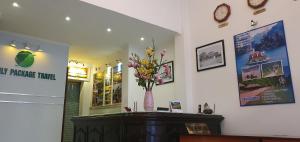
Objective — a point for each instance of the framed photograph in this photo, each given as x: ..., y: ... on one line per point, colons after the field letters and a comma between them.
x: 211, y: 56
x: 175, y: 106
x: 263, y: 68
x: 167, y: 72
x: 79, y: 73
x: 197, y: 128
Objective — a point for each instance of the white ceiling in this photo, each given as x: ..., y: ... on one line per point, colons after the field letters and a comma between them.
x: 86, y: 32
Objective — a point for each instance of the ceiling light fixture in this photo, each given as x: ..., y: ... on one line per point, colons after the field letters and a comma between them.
x: 142, y: 38
x: 13, y: 44
x: 26, y: 46
x: 108, y: 29
x: 15, y: 4
x: 39, y: 49
x: 68, y: 18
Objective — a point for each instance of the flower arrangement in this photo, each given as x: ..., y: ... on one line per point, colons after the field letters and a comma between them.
x: 147, y: 69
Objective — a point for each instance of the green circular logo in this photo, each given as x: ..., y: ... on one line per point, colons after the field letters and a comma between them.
x: 25, y: 59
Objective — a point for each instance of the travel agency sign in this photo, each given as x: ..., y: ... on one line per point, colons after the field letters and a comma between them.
x: 25, y: 59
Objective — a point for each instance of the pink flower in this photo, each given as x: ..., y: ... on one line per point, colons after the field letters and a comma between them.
x: 158, y: 79
x: 136, y: 74
x: 135, y: 65
x: 145, y: 77
x: 163, y: 53
x: 167, y: 70
x: 160, y: 82
x: 130, y: 65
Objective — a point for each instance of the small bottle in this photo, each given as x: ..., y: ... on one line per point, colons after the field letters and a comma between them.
x: 199, y: 109
x: 214, y: 108
x: 135, y: 106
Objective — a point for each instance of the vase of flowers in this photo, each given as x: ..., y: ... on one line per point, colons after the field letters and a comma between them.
x: 147, y: 72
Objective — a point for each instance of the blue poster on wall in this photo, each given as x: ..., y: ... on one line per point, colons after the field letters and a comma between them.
x: 263, y: 69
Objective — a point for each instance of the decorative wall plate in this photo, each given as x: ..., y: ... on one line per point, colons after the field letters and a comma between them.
x: 222, y: 13
x: 256, y: 4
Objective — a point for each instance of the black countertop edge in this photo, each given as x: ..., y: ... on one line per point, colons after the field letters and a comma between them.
x: 151, y: 115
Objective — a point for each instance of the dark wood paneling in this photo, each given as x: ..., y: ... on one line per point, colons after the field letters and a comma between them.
x: 140, y: 126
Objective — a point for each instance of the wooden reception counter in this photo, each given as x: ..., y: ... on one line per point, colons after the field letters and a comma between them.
x: 140, y: 126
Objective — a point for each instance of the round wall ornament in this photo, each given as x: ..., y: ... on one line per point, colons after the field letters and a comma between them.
x: 222, y: 13
x: 256, y: 4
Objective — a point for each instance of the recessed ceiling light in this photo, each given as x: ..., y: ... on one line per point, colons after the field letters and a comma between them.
x: 142, y: 38
x: 68, y: 18
x: 40, y: 50
x: 26, y: 46
x: 108, y: 29
x: 12, y: 44
x: 15, y: 4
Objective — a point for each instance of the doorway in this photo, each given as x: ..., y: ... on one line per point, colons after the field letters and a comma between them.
x: 71, y: 109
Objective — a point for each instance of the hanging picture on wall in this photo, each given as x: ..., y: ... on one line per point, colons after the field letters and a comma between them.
x: 263, y: 69
x: 210, y: 56
x: 167, y: 73
x: 98, y: 81
x: 117, y: 84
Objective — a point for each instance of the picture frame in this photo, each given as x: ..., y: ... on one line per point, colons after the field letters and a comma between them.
x: 74, y: 75
x: 210, y: 56
x: 263, y: 69
x: 175, y: 106
x: 167, y: 78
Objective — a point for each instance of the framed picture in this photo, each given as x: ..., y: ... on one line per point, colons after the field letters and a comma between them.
x: 263, y: 68
x: 79, y: 73
x: 175, y: 106
x: 167, y: 77
x: 211, y: 56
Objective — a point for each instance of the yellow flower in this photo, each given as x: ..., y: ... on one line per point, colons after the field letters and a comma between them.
x: 144, y: 73
x: 144, y: 62
x: 154, y: 62
x: 150, y: 51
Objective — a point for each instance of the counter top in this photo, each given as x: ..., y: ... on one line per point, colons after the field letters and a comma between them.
x: 156, y: 115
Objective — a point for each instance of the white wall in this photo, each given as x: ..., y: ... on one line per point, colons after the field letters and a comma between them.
x: 183, y: 65
x: 42, y: 121
x: 164, y: 13
x: 220, y: 85
x: 86, y: 92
